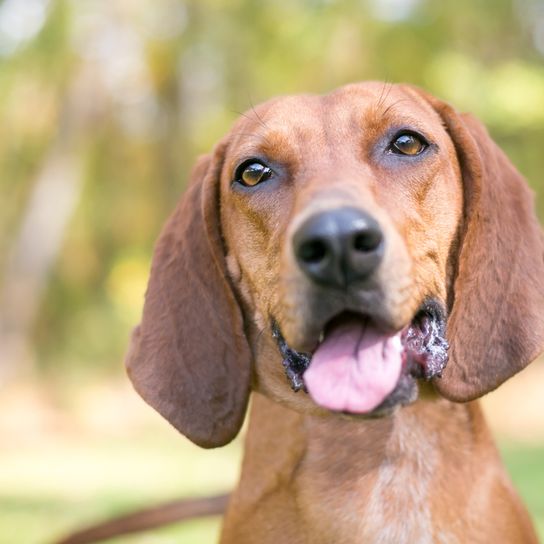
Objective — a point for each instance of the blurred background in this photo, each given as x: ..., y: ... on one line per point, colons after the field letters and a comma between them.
x: 104, y: 106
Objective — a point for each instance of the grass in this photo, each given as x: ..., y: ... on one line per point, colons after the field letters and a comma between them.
x: 526, y: 467
x: 61, y: 472
x: 47, y: 491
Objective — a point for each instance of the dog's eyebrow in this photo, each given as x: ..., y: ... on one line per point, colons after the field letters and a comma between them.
x: 260, y: 120
x: 379, y: 115
x: 384, y: 95
x: 392, y: 106
x: 255, y: 139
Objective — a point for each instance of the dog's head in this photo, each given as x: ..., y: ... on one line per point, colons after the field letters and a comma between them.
x: 336, y: 245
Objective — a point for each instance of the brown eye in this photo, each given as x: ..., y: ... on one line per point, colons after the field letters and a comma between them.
x: 408, y: 144
x: 252, y: 172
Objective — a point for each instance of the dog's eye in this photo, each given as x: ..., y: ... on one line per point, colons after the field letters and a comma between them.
x: 408, y: 143
x: 252, y: 172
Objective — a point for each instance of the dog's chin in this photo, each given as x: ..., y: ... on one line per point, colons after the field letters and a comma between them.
x: 360, y: 370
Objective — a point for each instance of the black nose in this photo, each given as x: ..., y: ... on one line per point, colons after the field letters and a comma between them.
x: 339, y: 247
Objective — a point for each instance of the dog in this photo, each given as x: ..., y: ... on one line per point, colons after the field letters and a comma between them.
x: 368, y: 263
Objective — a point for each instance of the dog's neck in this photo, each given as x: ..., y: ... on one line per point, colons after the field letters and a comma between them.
x: 353, y: 477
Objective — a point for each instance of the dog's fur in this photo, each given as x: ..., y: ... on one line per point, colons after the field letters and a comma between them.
x: 460, y: 228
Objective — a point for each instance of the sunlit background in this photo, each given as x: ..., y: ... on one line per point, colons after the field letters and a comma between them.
x: 104, y: 105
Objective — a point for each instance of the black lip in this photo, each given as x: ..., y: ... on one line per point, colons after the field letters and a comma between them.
x: 294, y: 363
x: 425, y: 344
x: 425, y: 356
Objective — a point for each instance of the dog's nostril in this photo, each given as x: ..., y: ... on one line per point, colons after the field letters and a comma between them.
x: 313, y: 251
x: 367, y: 241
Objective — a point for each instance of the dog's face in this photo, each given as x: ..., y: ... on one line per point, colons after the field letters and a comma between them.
x: 340, y: 215
x: 336, y: 245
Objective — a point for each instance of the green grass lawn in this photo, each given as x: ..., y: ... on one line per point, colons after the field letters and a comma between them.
x: 64, y: 483
x: 526, y: 467
x: 47, y: 491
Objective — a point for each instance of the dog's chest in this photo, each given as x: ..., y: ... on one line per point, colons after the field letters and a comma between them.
x: 398, y: 507
x: 381, y: 498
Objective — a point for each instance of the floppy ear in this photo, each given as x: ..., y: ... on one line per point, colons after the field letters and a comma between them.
x: 496, y: 324
x: 189, y: 358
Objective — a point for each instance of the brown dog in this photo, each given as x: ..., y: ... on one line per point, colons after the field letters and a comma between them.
x: 321, y: 257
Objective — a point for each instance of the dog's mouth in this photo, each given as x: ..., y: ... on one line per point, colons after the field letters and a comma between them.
x: 357, y: 368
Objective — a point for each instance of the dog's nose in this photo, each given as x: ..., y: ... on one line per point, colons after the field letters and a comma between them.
x: 339, y: 247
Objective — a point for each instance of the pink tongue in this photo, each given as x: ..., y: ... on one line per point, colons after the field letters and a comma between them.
x: 355, y: 368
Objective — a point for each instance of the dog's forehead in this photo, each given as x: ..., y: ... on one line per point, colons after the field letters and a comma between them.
x: 368, y: 106
x: 347, y: 104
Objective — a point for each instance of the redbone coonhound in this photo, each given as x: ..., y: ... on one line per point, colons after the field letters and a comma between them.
x: 368, y: 263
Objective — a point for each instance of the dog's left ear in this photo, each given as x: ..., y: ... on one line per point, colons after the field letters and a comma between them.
x: 496, y: 324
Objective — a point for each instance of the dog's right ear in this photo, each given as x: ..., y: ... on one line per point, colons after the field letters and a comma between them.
x: 189, y: 358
